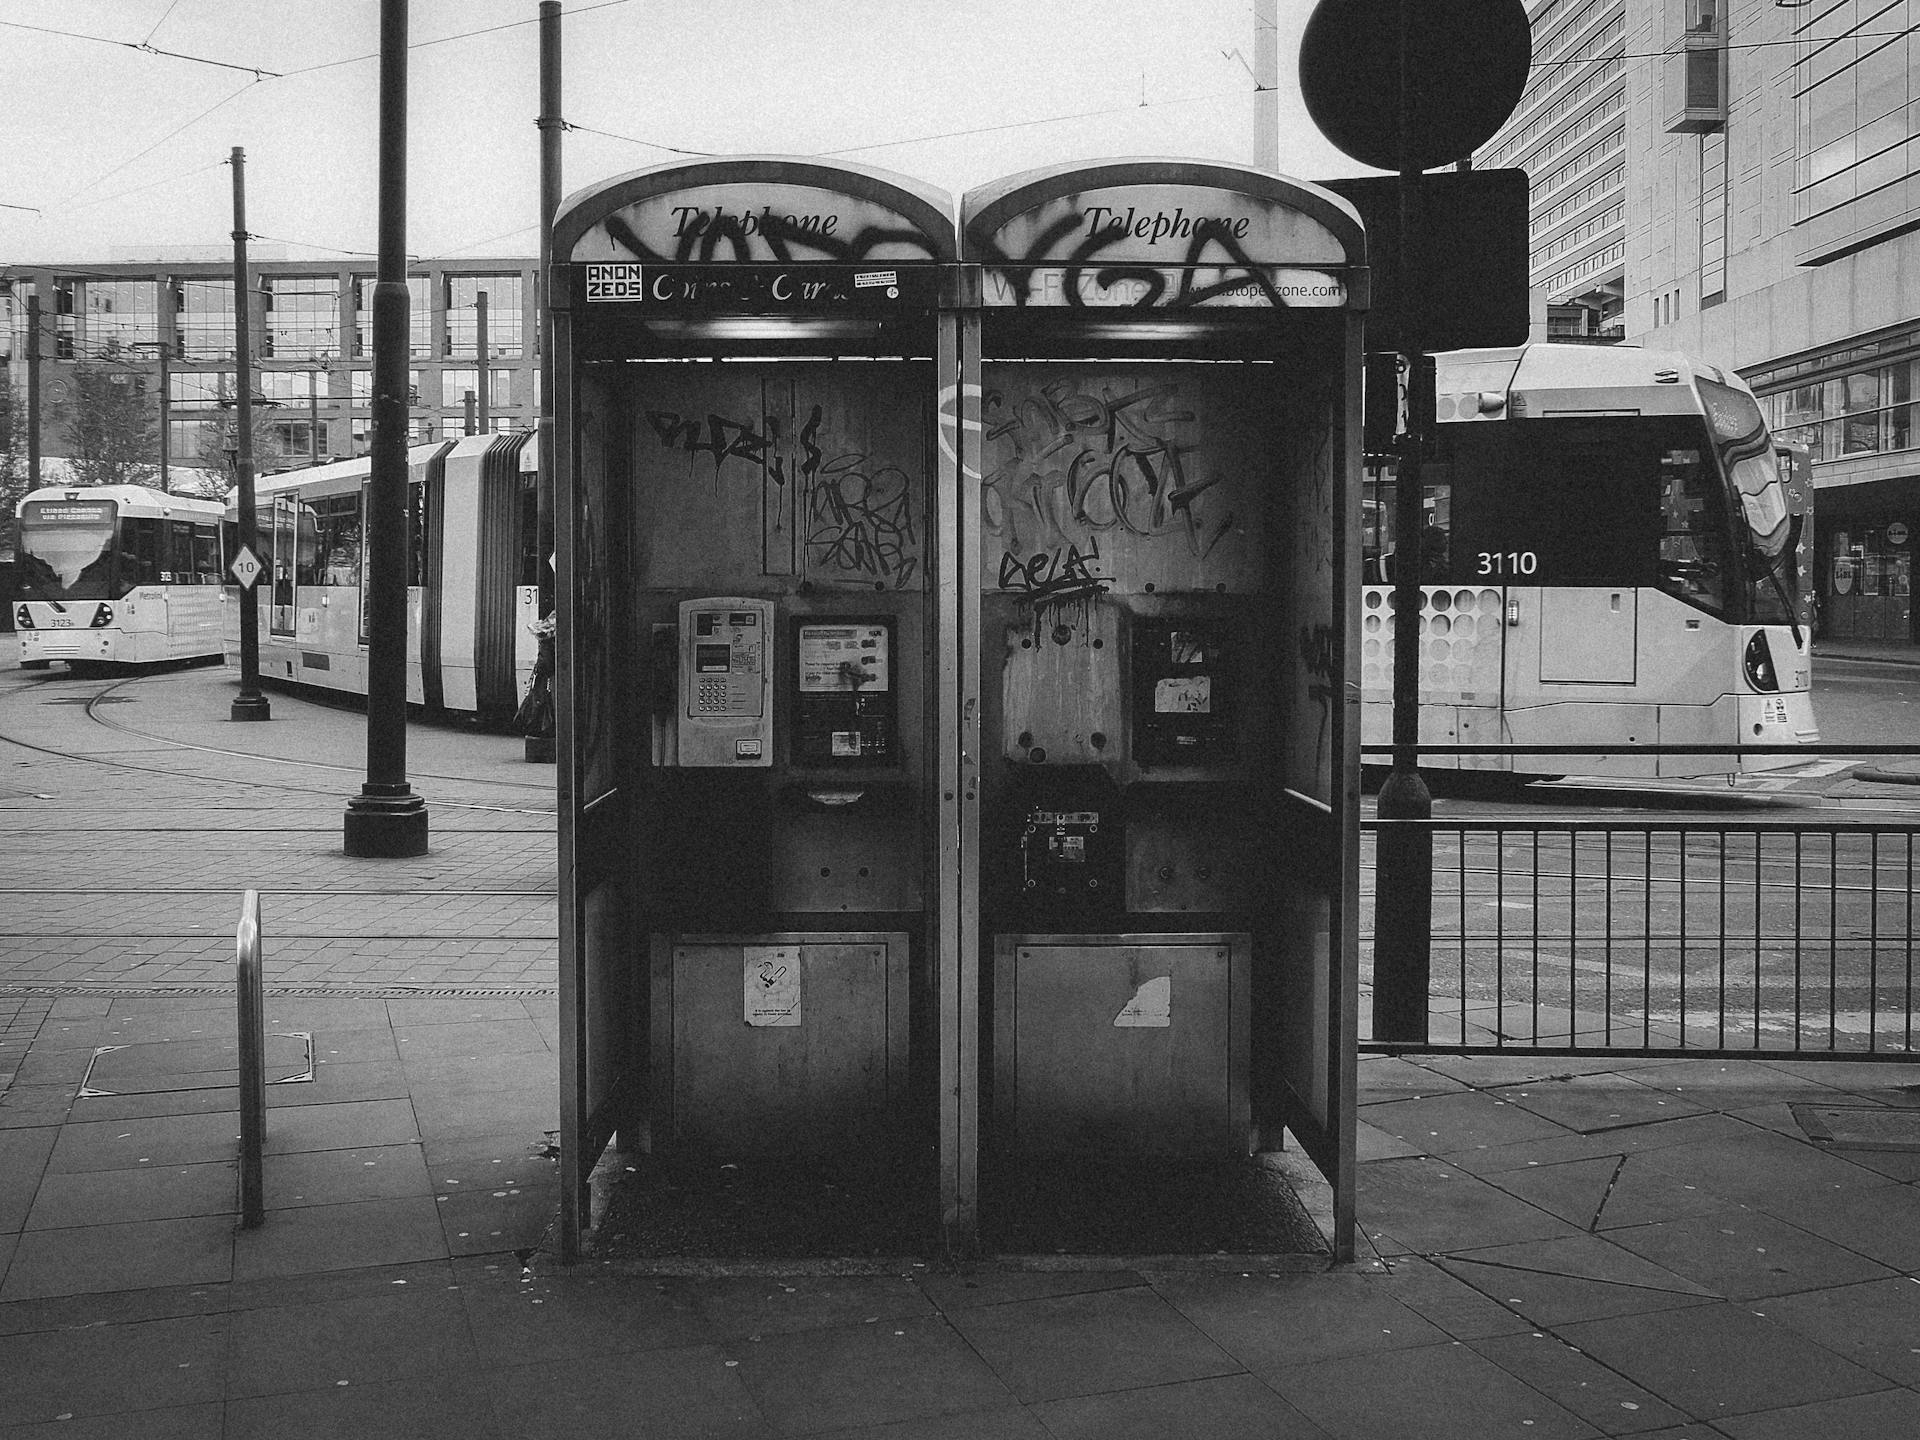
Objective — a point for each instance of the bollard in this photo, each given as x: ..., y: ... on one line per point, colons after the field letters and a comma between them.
x: 253, y: 1063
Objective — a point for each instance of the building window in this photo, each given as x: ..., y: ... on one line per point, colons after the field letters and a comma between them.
x: 121, y: 314
x: 419, y: 316
x: 503, y: 314
x: 1853, y: 91
x: 205, y: 319
x: 1859, y: 412
x: 1713, y: 217
x: 302, y: 316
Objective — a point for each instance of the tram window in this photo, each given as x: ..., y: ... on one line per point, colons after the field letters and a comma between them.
x: 307, y: 551
x: 417, y: 535
x: 206, y: 554
x: 1692, y: 543
x: 141, y: 544
x: 176, y: 565
x: 529, y: 530
x: 338, y: 520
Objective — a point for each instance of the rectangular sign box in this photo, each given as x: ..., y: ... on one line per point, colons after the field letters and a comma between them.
x: 1125, y: 286
x: 762, y: 289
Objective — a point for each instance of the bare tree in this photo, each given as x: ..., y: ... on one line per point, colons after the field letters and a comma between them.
x: 13, y: 458
x: 113, y: 432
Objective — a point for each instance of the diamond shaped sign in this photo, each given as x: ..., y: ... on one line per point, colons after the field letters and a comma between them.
x: 245, y: 568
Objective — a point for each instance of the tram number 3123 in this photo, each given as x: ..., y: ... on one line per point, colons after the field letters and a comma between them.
x: 1508, y: 562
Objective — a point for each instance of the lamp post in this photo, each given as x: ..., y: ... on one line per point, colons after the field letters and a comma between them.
x: 387, y: 819
x: 250, y: 703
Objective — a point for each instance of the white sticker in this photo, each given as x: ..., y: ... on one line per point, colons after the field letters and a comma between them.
x: 1183, y: 695
x: 843, y: 658
x: 772, y: 984
x: 846, y: 744
x: 1150, y: 1008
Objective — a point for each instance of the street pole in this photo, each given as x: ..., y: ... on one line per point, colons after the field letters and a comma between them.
x: 386, y: 819
x: 33, y: 390
x: 1403, y: 858
x: 166, y: 418
x: 250, y: 703
x: 551, y: 126
x: 480, y: 351
x: 313, y: 417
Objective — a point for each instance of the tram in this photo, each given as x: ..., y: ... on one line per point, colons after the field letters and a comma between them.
x: 1614, y: 553
x: 116, y: 575
x: 472, y: 576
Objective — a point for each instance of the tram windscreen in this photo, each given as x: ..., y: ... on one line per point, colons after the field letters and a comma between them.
x: 1771, y: 533
x: 1641, y: 500
x: 66, y: 550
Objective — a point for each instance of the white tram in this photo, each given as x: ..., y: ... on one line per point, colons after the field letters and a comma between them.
x: 1614, y: 554
x: 117, y: 575
x: 472, y: 575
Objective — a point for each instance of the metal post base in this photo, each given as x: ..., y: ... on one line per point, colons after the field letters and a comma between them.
x: 250, y: 707
x: 540, y: 749
x: 386, y: 827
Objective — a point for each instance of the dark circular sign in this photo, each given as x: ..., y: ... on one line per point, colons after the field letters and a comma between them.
x: 1466, y: 66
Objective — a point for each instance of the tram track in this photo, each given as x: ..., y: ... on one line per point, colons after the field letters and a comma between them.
x: 109, y: 691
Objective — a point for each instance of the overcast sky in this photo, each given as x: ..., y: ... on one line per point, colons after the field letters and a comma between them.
x: 114, y: 146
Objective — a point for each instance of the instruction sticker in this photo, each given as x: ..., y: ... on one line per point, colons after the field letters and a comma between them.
x: 1151, y: 1007
x: 1183, y: 695
x: 772, y: 984
x: 843, y: 658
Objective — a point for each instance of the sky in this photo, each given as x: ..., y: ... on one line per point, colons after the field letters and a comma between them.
x: 119, y: 126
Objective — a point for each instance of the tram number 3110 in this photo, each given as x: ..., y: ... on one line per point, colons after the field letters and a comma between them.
x: 1508, y: 562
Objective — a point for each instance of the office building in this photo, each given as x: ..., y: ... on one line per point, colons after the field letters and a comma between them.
x: 310, y: 328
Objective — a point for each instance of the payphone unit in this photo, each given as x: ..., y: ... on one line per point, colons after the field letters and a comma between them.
x: 725, y: 712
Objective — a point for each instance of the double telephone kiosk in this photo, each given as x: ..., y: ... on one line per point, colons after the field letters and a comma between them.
x: 844, y: 706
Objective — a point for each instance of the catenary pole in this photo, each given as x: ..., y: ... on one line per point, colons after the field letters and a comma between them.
x: 250, y: 703
x: 551, y: 126
x: 387, y: 819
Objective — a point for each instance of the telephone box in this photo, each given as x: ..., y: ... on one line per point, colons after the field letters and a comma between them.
x: 1166, y: 558
x: 956, y: 728
x: 746, y: 390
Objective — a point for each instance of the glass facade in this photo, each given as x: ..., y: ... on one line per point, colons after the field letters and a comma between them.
x: 121, y: 314
x: 205, y: 319
x: 1856, y: 101
x: 503, y: 314
x: 419, y: 316
x: 1863, y: 412
x: 302, y: 317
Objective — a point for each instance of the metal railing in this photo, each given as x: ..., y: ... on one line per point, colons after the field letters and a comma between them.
x: 251, y: 1025
x: 1663, y: 937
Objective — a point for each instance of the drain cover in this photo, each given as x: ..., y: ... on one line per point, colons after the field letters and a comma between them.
x: 165, y: 1066
x: 1860, y: 1127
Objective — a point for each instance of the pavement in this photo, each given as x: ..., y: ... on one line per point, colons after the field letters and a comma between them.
x: 1550, y: 1248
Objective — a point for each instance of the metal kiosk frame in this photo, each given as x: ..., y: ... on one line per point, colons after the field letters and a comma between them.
x: 850, y: 872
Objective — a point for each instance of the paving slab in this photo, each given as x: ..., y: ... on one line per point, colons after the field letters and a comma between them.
x: 845, y: 1376
x: 156, y: 1365
x: 1745, y: 1254
x: 1884, y: 1415
x: 1236, y: 1405
x: 1716, y: 1361
x: 1438, y: 1392
x: 1269, y: 1324
x: 130, y: 1256
x: 1427, y: 1205
x: 1083, y: 1344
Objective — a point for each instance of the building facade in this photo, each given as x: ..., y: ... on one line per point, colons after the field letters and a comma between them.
x: 1775, y: 229
x: 169, y: 325
x: 1569, y: 133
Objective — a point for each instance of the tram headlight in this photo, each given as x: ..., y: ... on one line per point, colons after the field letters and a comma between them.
x: 1759, y: 662
x: 22, y: 618
x: 102, y: 615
